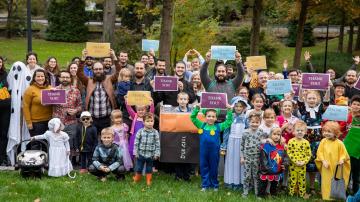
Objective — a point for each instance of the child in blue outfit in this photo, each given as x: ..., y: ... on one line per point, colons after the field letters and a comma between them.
x: 210, y: 144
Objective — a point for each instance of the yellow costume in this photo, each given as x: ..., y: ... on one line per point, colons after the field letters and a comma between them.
x: 298, y: 150
x: 332, y: 151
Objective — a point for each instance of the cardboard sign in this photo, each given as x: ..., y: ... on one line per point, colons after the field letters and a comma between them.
x: 256, y: 62
x: 213, y: 100
x: 166, y: 83
x: 278, y: 87
x: 315, y: 81
x: 223, y: 52
x: 357, y: 85
x: 296, y: 89
x: 53, y: 97
x: 147, y: 45
x: 141, y: 98
x: 98, y: 50
x: 336, y: 113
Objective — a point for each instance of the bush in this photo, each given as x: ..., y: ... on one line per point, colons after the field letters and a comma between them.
x: 129, y: 41
x: 309, y: 39
x: 240, y: 37
x: 66, y: 20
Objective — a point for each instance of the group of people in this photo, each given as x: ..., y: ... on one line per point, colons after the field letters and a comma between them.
x: 269, y: 142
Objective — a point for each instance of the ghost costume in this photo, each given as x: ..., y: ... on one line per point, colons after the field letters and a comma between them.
x: 59, y: 162
x: 19, y: 79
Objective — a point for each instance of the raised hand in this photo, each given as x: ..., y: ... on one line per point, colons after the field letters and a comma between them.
x: 237, y: 57
x: 356, y: 59
x: 307, y: 56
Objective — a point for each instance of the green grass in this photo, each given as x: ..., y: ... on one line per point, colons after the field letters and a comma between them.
x: 88, y: 188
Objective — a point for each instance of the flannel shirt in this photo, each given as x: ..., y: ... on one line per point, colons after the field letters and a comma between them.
x: 73, y: 101
x: 147, y: 143
x: 100, y: 105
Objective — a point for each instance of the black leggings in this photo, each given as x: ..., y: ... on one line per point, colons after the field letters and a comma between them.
x: 4, y: 127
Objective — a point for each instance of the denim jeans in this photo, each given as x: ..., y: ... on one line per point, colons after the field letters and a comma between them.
x: 140, y: 161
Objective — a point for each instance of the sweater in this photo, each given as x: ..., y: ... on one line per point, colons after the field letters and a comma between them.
x: 34, y: 111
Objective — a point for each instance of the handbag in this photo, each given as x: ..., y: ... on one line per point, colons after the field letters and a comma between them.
x: 338, y: 189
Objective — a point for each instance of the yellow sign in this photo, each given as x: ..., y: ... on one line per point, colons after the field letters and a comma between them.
x: 140, y: 98
x: 98, y: 50
x: 256, y: 62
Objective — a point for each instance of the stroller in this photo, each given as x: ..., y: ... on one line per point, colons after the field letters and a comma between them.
x: 32, y: 162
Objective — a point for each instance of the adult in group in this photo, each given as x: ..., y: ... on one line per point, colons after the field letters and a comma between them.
x: 124, y: 59
x: 140, y: 82
x: 350, y: 81
x: 337, y: 92
x: 5, y: 106
x: 158, y: 71
x: 67, y: 112
x: 31, y: 62
x: 52, y: 68
x: 108, y: 65
x: 36, y: 114
x: 196, y: 62
x: 76, y: 60
x: 89, y: 61
x: 100, y: 98
x: 293, y: 75
x: 19, y: 79
x: 220, y: 84
x: 145, y: 59
x: 262, y: 79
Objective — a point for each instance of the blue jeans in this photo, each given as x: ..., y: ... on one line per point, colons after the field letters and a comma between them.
x: 140, y: 161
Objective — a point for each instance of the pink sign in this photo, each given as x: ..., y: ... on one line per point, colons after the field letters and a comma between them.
x: 213, y: 100
x: 52, y: 97
x: 166, y: 83
x: 296, y: 89
x: 357, y: 85
x: 315, y: 81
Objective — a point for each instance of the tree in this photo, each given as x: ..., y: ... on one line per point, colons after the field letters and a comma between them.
x: 357, y: 43
x: 341, y: 34
x: 255, y: 28
x: 351, y: 39
x: 166, y: 30
x: 300, y: 32
x: 109, y: 20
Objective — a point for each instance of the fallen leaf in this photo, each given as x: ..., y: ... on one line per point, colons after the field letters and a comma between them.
x: 37, y: 200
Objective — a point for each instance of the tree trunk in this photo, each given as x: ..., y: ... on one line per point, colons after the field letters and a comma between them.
x: 357, y: 44
x: 148, y: 18
x: 341, y: 34
x: 351, y: 38
x: 255, y: 27
x: 109, y: 20
x: 300, y: 33
x: 9, y: 21
x: 166, y: 30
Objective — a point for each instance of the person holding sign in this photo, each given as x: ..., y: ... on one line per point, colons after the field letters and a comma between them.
x: 210, y: 145
x: 159, y: 70
x: 220, y: 84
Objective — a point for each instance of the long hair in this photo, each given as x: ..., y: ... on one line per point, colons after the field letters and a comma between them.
x: 2, y: 68
x: 56, y: 68
x: 46, y: 83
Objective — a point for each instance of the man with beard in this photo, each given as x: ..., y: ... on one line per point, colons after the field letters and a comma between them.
x: 350, y: 81
x: 140, y: 82
x: 230, y: 72
x: 123, y: 61
x: 220, y: 84
x: 100, y: 99
x: 159, y: 70
x: 67, y: 112
x: 262, y: 77
x: 108, y: 68
x: 88, y: 64
x: 170, y: 97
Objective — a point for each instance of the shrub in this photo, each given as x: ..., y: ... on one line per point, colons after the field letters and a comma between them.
x: 309, y: 39
x: 129, y: 41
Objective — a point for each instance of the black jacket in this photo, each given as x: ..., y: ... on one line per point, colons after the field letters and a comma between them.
x: 89, y: 141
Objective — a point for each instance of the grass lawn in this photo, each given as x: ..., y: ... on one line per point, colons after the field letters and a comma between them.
x: 88, y: 188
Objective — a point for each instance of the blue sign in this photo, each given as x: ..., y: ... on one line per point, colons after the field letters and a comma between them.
x: 336, y: 113
x: 148, y: 45
x: 278, y: 87
x: 223, y: 52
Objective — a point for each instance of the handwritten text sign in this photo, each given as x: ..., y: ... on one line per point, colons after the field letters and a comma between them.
x: 52, y: 97
x: 336, y: 113
x: 278, y: 87
x: 140, y: 98
x: 256, y: 62
x: 315, y: 81
x: 296, y: 89
x: 148, y: 45
x: 223, y: 52
x: 98, y: 50
x: 166, y: 83
x: 213, y: 100
x: 357, y: 85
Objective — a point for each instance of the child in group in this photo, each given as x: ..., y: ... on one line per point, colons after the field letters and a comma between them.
x: 121, y: 137
x: 252, y: 138
x: 330, y: 155
x: 271, y: 163
x: 231, y: 146
x: 352, y: 142
x: 299, y: 153
x: 137, y: 122
x: 311, y: 108
x: 107, y: 157
x: 182, y: 170
x: 268, y: 122
x: 287, y: 120
x: 257, y: 102
x: 147, y: 148
x: 59, y: 150
x: 210, y: 144
x: 86, y: 139
x: 123, y: 86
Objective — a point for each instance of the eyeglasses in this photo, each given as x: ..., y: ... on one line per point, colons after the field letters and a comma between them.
x: 85, y: 119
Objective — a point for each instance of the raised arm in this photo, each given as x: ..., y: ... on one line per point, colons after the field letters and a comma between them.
x: 237, y: 81
x: 229, y: 119
x: 204, y: 72
x: 194, y: 118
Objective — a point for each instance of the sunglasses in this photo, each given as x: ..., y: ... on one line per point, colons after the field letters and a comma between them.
x: 85, y: 119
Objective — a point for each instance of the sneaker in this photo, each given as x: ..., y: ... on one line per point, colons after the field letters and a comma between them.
x: 203, y: 189
x: 216, y: 189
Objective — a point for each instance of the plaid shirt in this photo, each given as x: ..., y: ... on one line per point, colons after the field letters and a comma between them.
x: 100, y: 105
x: 147, y: 143
x: 73, y: 101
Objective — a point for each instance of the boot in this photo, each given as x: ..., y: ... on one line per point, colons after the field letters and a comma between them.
x: 137, y: 177
x: 148, y: 179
